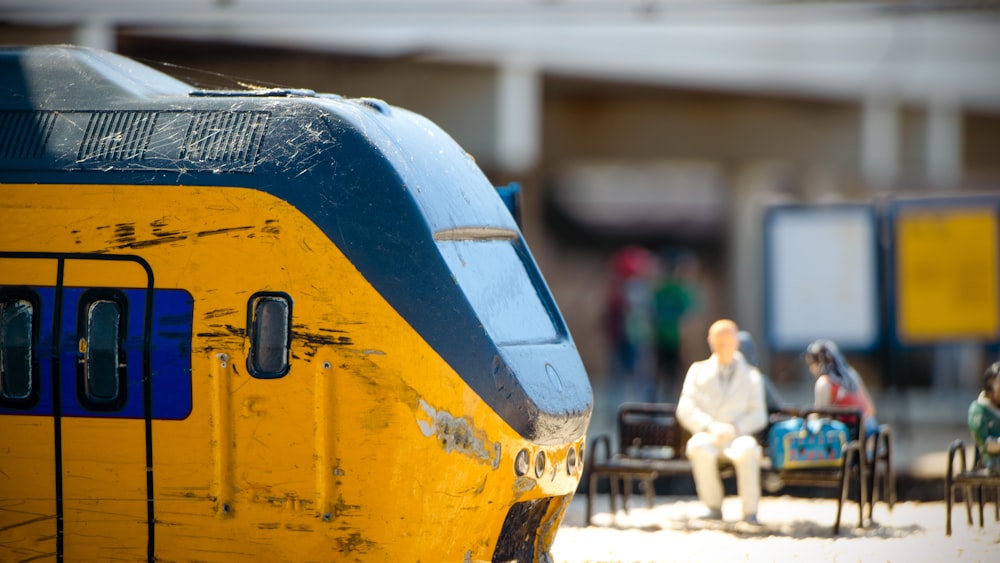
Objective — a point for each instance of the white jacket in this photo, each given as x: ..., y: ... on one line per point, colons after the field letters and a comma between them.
x: 705, y: 400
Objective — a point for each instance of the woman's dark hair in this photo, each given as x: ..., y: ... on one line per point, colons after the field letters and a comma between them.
x: 832, y: 363
x: 819, y: 353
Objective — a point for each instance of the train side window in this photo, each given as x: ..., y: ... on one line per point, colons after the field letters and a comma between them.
x: 270, y: 330
x: 18, y: 365
x: 101, y: 373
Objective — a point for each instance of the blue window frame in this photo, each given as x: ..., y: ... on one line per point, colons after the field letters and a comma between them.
x: 169, y: 349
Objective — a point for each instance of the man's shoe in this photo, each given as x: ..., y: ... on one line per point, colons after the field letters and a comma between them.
x: 751, y: 519
x: 713, y: 514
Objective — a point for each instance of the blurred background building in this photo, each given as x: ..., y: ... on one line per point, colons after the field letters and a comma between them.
x: 705, y: 130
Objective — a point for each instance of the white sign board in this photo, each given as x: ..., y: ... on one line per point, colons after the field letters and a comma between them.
x: 821, y: 280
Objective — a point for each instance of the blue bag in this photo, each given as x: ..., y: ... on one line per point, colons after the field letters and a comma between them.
x: 795, y: 443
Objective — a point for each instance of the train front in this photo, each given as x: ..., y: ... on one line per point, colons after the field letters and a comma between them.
x: 500, y: 400
x: 350, y: 353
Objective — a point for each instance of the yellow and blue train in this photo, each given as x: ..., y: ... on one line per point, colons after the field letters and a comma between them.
x: 265, y: 325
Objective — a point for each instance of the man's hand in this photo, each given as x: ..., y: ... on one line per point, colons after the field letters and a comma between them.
x: 723, y: 431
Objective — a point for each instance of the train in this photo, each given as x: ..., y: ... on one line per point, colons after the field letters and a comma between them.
x: 266, y: 324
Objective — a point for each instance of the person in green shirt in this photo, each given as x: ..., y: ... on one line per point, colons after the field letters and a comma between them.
x: 984, y: 419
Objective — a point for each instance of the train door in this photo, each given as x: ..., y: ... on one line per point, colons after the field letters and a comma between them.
x: 75, y: 407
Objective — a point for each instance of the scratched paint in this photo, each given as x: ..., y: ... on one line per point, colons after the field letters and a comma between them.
x: 458, y: 435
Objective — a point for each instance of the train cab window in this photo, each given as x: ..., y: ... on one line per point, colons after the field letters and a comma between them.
x: 18, y: 372
x: 270, y: 330
x: 496, y: 279
x: 101, y: 374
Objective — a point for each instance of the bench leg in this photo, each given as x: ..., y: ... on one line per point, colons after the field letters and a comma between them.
x: 614, y: 485
x: 996, y: 504
x: 949, y: 493
x: 863, y: 490
x: 591, y: 491
x: 890, y: 476
x: 967, y: 491
x: 982, y: 499
x: 650, y: 491
x: 626, y: 494
x: 844, y: 485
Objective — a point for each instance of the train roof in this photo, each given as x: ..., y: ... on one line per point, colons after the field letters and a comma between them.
x: 72, y: 76
x: 74, y: 109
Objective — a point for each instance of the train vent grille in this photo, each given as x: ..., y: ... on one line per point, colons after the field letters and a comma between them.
x: 224, y: 137
x: 24, y: 134
x: 117, y: 135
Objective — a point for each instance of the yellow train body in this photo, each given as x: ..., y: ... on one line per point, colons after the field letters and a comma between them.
x: 370, y: 441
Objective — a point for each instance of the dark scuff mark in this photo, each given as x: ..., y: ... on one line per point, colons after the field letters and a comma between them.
x: 216, y: 313
x: 354, y: 543
x: 148, y: 243
x: 217, y: 334
x: 224, y: 331
x: 158, y: 229
x: 268, y: 526
x: 313, y: 339
x: 271, y: 227
x: 27, y: 522
x: 309, y: 338
x: 221, y: 231
x: 341, y: 508
x: 236, y: 331
x: 124, y: 234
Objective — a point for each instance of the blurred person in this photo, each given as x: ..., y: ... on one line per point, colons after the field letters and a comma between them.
x: 838, y: 384
x: 629, y: 321
x: 775, y: 402
x: 676, y: 299
x: 722, y: 405
x: 984, y: 419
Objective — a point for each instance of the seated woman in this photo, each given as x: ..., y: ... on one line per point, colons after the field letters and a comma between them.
x: 838, y: 384
x: 984, y: 419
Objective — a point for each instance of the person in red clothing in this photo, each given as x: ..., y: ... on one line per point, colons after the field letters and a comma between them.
x: 838, y: 384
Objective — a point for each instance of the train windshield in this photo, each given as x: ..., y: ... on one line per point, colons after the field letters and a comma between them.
x: 492, y: 273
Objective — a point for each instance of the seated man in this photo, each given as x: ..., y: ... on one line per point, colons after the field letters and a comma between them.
x: 722, y: 405
x: 984, y: 419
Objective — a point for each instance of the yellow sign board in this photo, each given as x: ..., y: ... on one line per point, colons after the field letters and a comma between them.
x: 946, y: 264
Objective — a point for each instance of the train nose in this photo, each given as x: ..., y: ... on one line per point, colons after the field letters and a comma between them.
x: 545, y: 392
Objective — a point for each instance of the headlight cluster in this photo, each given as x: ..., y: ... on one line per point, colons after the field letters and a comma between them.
x: 523, y: 462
